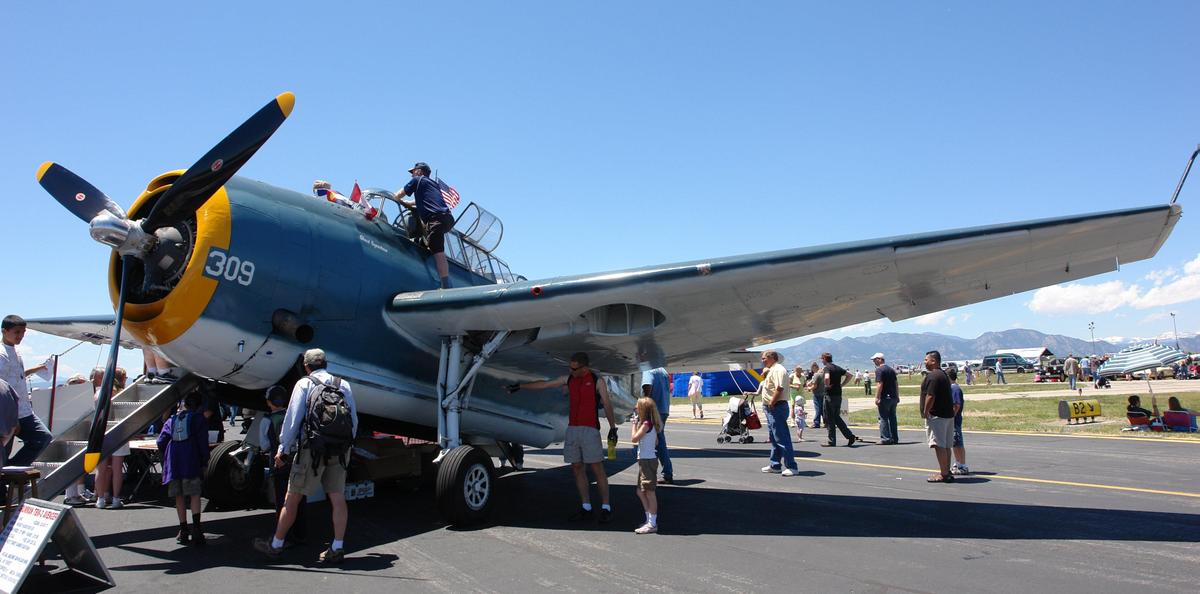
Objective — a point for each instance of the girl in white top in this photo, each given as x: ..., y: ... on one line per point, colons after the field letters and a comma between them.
x: 645, y: 434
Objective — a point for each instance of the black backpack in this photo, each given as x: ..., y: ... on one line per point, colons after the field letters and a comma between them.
x: 328, y: 427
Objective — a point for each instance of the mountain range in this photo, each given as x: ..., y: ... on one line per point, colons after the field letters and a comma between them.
x: 855, y: 352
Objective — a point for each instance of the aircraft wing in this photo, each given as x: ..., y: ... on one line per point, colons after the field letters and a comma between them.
x: 93, y: 329
x: 693, y: 313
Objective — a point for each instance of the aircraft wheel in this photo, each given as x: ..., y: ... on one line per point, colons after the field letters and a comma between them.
x: 466, y: 486
x: 227, y: 483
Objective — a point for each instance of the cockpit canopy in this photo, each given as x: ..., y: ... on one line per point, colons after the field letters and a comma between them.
x: 471, y: 243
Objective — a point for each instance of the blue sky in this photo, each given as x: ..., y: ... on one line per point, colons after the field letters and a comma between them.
x: 620, y: 134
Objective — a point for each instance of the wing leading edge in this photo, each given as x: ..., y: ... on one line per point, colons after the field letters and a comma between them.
x: 694, y: 312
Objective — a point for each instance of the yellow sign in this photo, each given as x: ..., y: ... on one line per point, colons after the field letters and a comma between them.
x: 1078, y: 409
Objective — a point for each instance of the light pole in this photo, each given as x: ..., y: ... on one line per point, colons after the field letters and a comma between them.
x: 1092, y: 329
x: 1176, y: 329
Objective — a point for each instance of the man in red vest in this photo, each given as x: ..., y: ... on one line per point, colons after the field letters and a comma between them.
x: 582, y: 443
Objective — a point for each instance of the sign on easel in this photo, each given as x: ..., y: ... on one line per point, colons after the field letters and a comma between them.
x: 27, y: 533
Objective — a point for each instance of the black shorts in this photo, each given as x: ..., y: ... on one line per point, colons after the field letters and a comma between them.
x: 435, y: 231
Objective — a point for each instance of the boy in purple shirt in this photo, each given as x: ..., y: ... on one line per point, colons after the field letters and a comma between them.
x: 184, y: 447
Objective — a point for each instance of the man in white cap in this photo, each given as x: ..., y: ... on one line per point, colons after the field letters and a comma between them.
x: 887, y: 396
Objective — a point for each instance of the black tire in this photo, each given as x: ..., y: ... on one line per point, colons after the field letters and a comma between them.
x: 749, y: 439
x: 466, y: 486
x: 720, y: 439
x: 226, y: 485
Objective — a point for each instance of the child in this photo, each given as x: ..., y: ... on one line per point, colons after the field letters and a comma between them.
x: 184, y: 447
x: 960, y: 453
x: 799, y: 415
x: 645, y: 435
x: 271, y: 427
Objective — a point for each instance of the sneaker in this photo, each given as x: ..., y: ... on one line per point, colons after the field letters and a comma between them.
x: 666, y: 480
x: 962, y: 469
x: 115, y: 503
x: 184, y: 535
x: 828, y: 444
x: 198, y: 538
x: 332, y: 556
x: 580, y: 515
x: 646, y: 528
x: 518, y: 466
x: 788, y: 472
x: 605, y: 515
x: 263, y: 545
x: 90, y: 496
x: 101, y: 503
x: 851, y: 440
x: 771, y: 469
x: 75, y: 500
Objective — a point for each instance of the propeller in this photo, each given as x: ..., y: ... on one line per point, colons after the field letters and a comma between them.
x: 156, y: 237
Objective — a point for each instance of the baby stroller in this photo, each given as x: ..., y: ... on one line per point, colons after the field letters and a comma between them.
x: 737, y: 423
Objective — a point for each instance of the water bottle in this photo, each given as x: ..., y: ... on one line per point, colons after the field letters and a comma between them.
x: 612, y: 448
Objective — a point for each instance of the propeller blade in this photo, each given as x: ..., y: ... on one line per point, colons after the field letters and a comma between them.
x: 91, y: 456
x: 198, y: 183
x: 73, y: 192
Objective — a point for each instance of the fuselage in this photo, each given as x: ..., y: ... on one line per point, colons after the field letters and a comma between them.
x: 259, y: 250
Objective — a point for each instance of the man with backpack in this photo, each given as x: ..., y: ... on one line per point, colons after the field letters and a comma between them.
x: 318, y: 432
x: 581, y: 447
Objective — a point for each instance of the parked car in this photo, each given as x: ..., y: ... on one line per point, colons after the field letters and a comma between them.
x: 1008, y: 362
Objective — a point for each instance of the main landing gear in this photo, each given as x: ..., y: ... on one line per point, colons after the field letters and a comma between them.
x: 466, y: 478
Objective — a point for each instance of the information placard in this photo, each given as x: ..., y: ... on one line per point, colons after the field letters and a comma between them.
x: 36, y: 524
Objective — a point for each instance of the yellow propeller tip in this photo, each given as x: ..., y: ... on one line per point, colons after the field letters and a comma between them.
x: 90, y: 461
x: 286, y: 102
x: 43, y: 168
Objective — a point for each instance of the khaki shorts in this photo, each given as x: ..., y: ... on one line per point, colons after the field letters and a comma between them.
x: 940, y: 431
x: 582, y: 444
x: 331, y: 476
x: 695, y: 398
x: 647, y: 474
x: 191, y: 486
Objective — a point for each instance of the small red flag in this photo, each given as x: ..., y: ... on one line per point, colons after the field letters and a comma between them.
x: 356, y: 193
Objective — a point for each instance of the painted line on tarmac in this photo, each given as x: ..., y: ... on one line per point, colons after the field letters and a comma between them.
x: 994, y: 476
x: 1179, y: 439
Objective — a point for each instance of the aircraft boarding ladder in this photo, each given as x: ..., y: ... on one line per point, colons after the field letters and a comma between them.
x: 132, y: 410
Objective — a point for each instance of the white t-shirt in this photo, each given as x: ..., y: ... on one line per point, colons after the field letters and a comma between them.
x: 774, y: 379
x: 695, y: 385
x: 12, y: 370
x: 647, y: 442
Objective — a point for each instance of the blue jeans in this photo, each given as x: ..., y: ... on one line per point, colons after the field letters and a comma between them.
x: 34, y: 439
x: 781, y: 440
x: 1071, y: 379
x: 818, y: 403
x: 887, y: 420
x: 660, y: 450
x: 1000, y: 377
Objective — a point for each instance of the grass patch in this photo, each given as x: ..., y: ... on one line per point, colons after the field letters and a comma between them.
x: 1031, y: 414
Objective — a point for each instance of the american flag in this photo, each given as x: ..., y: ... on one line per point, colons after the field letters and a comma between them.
x: 449, y: 194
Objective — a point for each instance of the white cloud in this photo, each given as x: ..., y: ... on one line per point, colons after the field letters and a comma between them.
x: 1192, y: 267
x: 1185, y: 289
x: 1158, y: 277
x: 932, y: 319
x: 1080, y: 298
x: 1162, y: 315
x: 1114, y: 339
x: 1111, y: 295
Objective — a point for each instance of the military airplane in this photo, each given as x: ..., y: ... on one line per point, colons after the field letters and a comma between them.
x: 233, y: 279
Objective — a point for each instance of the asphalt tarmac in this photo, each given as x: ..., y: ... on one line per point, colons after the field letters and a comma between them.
x: 1040, y: 514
